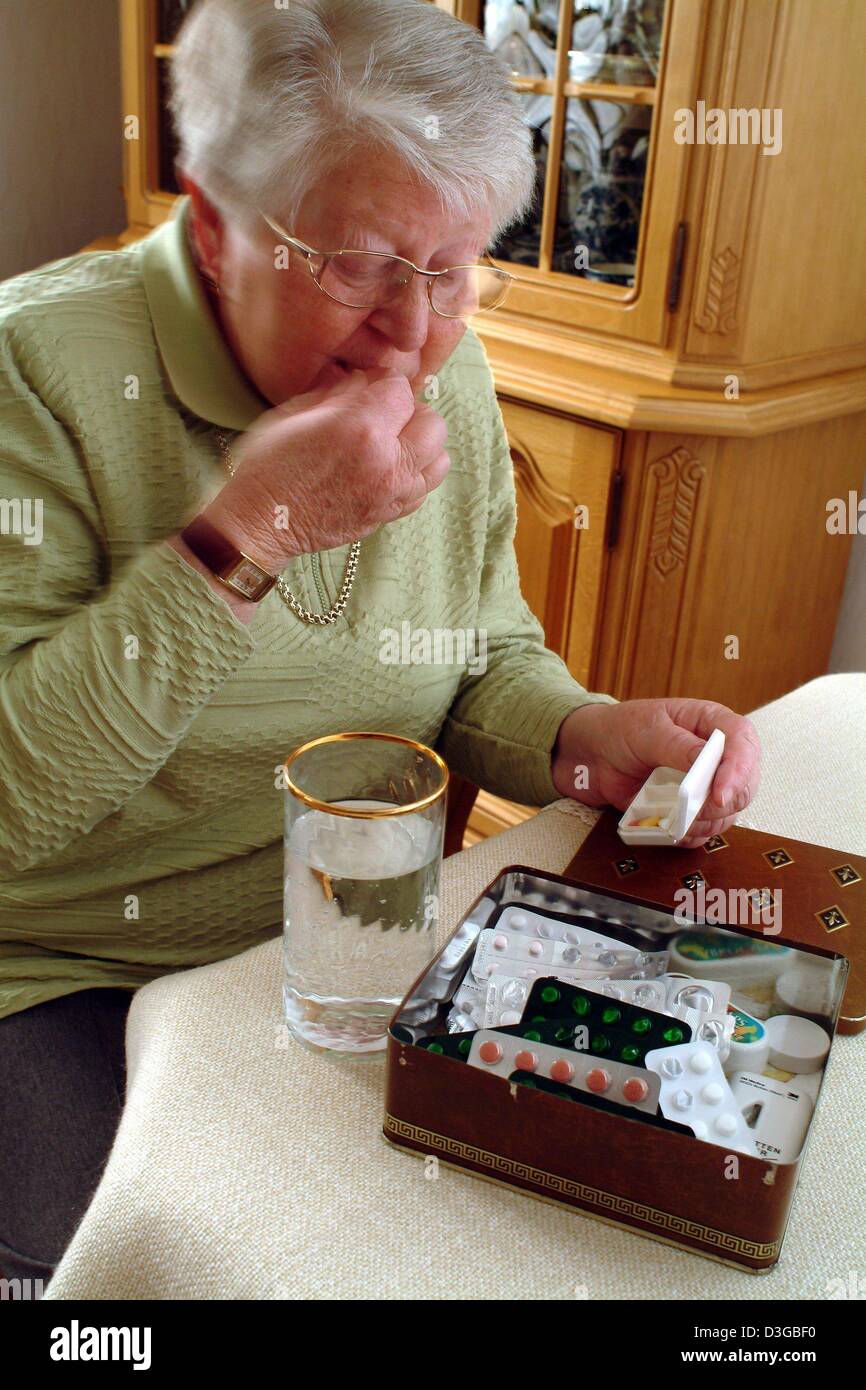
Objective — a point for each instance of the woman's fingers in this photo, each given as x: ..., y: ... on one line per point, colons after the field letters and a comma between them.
x: 738, y: 774
x: 702, y: 830
x: 425, y: 481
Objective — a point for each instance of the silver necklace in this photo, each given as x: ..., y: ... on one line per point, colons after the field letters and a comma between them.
x: 285, y: 593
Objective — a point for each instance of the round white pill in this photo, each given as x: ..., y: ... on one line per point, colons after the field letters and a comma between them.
x: 726, y: 1124
x: 518, y: 919
x: 713, y: 1093
x: 701, y: 1062
x: 796, y: 1044
x: 700, y: 1129
x: 535, y: 948
x: 500, y: 943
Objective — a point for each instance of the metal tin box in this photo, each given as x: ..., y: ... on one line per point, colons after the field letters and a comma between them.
x: 605, y: 1165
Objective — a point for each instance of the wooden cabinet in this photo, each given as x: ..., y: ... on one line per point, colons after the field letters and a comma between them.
x: 566, y: 478
x: 684, y: 354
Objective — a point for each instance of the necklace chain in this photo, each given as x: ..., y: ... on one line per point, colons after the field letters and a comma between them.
x: 285, y: 593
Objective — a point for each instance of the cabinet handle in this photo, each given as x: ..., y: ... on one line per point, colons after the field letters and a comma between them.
x: 677, y: 267
x: 615, y: 509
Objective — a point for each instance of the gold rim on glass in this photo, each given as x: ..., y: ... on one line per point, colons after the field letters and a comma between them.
x: 329, y: 806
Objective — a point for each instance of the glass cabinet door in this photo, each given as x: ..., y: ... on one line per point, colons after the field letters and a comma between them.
x: 168, y: 18
x: 599, y: 81
x: 170, y: 14
x: 586, y: 74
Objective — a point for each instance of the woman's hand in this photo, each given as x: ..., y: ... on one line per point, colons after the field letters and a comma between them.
x: 330, y: 467
x: 620, y: 745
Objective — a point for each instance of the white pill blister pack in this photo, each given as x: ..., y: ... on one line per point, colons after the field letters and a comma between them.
x: 506, y: 997
x: 702, y: 1004
x: 498, y: 1002
x: 668, y: 994
x: 523, y: 922
x: 695, y: 1092
x: 526, y: 945
x: 502, y: 1054
x: 587, y: 956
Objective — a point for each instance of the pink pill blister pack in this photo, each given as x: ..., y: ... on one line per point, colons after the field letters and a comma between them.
x: 513, y: 952
x: 630, y: 1086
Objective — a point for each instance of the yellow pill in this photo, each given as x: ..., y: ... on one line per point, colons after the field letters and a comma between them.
x: 650, y: 820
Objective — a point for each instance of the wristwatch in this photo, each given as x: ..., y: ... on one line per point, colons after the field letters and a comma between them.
x: 239, y: 572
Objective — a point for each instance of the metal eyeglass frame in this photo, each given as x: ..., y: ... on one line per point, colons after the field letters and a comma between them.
x: 308, y: 251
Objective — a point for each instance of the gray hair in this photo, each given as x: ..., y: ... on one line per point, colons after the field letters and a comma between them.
x: 268, y: 96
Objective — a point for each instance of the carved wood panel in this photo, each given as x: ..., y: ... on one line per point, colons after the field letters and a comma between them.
x: 563, y: 472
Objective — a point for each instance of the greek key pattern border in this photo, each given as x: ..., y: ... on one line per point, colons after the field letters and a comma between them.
x: 606, y: 1203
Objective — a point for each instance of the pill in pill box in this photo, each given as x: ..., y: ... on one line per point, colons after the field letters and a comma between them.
x: 546, y: 1084
x: 456, y: 1045
x: 504, y: 950
x: 627, y: 1024
x: 628, y: 1086
x: 576, y: 928
x: 695, y: 1090
x: 597, y: 1038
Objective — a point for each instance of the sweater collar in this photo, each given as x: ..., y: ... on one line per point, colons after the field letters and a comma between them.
x: 201, y: 367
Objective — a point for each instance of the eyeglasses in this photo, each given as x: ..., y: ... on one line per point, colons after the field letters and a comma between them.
x: 368, y: 279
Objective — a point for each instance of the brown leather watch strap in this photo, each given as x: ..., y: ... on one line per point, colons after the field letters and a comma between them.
x: 238, y: 571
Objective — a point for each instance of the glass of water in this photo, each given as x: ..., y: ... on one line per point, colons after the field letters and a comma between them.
x: 365, y: 820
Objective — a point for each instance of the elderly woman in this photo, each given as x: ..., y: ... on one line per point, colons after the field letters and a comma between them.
x: 249, y: 457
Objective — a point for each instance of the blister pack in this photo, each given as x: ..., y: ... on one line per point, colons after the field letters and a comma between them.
x: 505, y: 1000
x: 554, y: 926
x: 556, y: 1088
x: 669, y: 994
x: 468, y: 1006
x: 514, y: 953
x: 695, y: 1091
x: 506, y: 995
x: 618, y: 1033
x: 503, y: 1054
x: 551, y: 998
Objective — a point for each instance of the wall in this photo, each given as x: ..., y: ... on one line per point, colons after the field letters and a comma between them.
x: 60, y: 129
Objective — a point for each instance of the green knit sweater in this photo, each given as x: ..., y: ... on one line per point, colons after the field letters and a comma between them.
x: 141, y: 725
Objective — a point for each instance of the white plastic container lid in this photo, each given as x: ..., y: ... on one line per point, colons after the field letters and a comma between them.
x: 675, y: 797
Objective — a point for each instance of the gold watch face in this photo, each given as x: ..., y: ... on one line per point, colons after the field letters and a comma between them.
x: 249, y: 579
